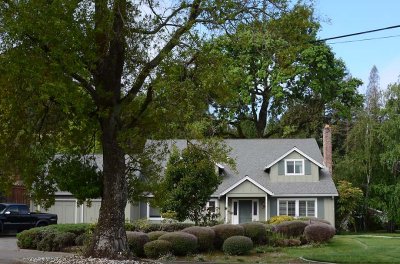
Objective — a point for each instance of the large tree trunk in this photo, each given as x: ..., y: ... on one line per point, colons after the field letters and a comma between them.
x: 110, y: 236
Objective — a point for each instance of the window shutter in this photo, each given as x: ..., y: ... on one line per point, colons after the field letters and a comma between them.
x: 281, y: 167
x: 307, y: 165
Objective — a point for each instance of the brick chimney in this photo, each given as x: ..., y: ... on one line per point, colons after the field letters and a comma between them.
x: 327, y: 147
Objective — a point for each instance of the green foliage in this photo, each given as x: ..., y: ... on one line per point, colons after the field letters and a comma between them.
x: 387, y: 199
x: 28, y: 239
x: 77, y: 175
x: 319, y: 233
x: 157, y: 248
x: 237, y: 245
x: 291, y: 229
x: 189, y: 181
x: 51, y: 238
x: 154, y: 235
x: 147, y: 226
x: 348, y: 203
x: 276, y: 71
x: 288, y: 242
x: 182, y: 243
x: 223, y: 231
x: 136, y: 242
x: 274, y: 220
x: 205, y: 237
x: 256, y: 232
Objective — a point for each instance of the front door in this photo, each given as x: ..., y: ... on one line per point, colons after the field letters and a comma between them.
x: 245, y: 211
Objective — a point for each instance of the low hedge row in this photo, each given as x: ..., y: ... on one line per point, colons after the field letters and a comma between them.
x: 51, y: 238
x: 190, y: 240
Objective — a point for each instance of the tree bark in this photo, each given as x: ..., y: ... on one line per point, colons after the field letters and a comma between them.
x: 110, y: 236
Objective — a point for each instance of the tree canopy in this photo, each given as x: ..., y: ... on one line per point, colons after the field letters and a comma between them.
x: 79, y: 76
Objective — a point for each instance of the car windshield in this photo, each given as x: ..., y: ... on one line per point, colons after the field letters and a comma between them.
x: 2, y: 207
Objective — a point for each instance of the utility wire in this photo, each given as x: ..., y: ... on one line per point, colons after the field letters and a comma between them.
x: 359, y: 40
x: 358, y: 33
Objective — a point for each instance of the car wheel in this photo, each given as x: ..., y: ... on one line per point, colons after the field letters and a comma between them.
x: 41, y: 224
x: 1, y: 227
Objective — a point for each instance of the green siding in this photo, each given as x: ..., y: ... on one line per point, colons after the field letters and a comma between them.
x: 281, y: 167
x: 321, y: 208
x: 272, y: 207
x: 307, y: 167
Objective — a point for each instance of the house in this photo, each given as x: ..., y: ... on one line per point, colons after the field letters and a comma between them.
x: 274, y: 177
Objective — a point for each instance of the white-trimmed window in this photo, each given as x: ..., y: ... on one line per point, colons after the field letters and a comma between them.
x: 153, y: 213
x: 294, y: 167
x: 297, y: 207
x: 212, y: 205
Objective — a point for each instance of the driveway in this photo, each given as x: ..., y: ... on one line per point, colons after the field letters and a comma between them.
x: 11, y: 254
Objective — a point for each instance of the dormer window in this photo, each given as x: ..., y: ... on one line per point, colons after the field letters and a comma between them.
x: 294, y: 167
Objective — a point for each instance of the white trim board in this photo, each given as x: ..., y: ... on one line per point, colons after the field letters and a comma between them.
x: 300, y: 152
x: 247, y: 178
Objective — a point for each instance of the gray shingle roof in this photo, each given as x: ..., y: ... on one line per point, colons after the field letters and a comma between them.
x: 252, y: 155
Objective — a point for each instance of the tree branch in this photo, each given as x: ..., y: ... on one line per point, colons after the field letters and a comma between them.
x: 174, y: 40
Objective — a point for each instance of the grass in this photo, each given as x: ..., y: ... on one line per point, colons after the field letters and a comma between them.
x: 365, y: 248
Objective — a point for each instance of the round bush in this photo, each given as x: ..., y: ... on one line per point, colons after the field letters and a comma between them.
x: 157, y: 248
x: 154, y: 235
x: 313, y: 220
x: 205, y: 237
x: 237, y: 245
x: 136, y: 241
x: 172, y: 227
x: 28, y: 239
x: 291, y: 228
x: 256, y: 232
x: 225, y: 231
x: 182, y: 243
x: 319, y: 232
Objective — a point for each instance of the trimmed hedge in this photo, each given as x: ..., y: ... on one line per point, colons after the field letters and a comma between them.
x: 143, y: 225
x: 154, y: 235
x: 256, y: 232
x: 313, y: 220
x: 237, y: 245
x: 225, y: 231
x: 291, y: 228
x: 205, y: 237
x: 157, y: 248
x: 319, y: 232
x: 182, y: 243
x: 52, y: 237
x: 136, y: 241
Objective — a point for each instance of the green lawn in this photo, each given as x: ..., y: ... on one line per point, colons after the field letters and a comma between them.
x: 341, y: 249
x: 353, y: 249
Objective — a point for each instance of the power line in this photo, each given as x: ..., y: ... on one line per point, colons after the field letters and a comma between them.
x: 358, y: 33
x: 359, y: 40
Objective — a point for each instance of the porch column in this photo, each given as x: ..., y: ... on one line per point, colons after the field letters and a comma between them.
x: 266, y: 207
x: 226, y: 209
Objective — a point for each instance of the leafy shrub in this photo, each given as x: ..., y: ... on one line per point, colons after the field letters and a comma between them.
x: 82, y: 239
x: 172, y: 227
x: 279, y: 219
x: 288, y: 242
x: 142, y: 225
x: 312, y: 220
x: 319, y: 232
x: 256, y: 232
x: 291, y: 228
x: 225, y: 231
x: 28, y: 239
x: 157, y: 248
x: 182, y: 243
x: 52, y: 237
x: 154, y: 235
x: 205, y: 236
x: 237, y: 245
x: 136, y: 241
